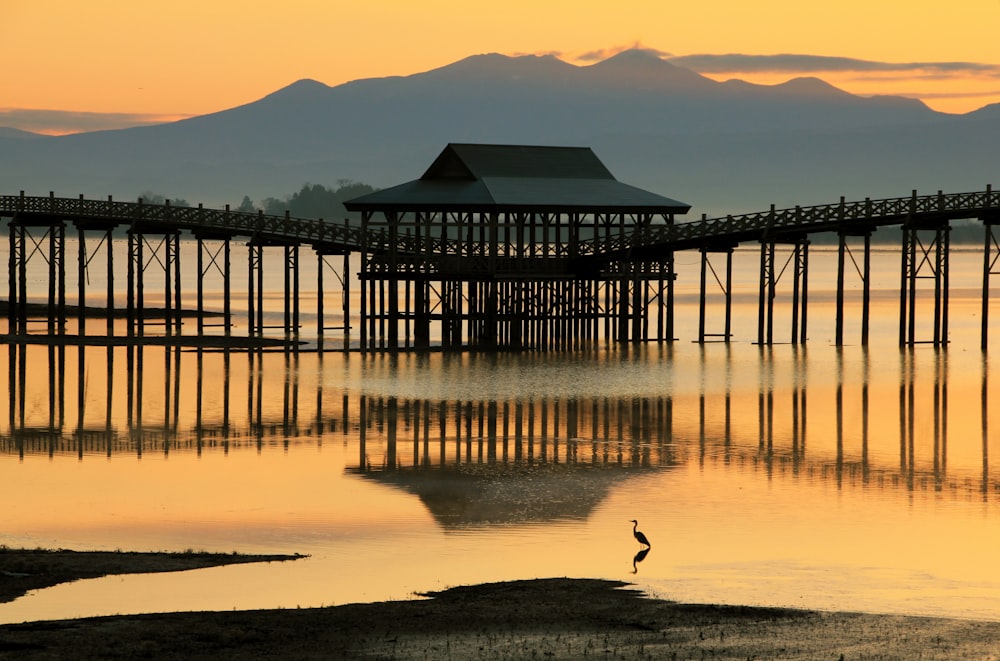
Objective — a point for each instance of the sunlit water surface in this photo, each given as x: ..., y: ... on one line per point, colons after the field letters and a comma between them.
x: 809, y: 476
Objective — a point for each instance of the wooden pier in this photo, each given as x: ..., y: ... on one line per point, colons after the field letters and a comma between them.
x: 495, y: 247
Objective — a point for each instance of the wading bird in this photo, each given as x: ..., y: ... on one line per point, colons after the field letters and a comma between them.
x: 638, y: 535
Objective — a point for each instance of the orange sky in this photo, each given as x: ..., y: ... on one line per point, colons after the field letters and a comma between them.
x: 188, y: 57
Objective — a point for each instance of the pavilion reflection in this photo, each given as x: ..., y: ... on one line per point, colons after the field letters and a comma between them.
x: 71, y: 399
x: 474, y: 463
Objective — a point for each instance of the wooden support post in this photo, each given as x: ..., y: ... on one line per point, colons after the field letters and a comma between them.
x: 13, y: 302
x: 287, y: 263
x: 944, y: 275
x: 320, y: 308
x: 364, y: 281
x: 802, y: 287
x: 140, y: 285
x: 296, y: 298
x: 391, y: 280
x: 81, y: 286
x: 771, y: 293
x: 911, y: 275
x: 638, y: 302
x: 702, y: 297
x: 130, y: 296
x: 111, y: 283
x: 866, y: 291
x: 761, y: 299
x: 53, y: 279
x: 939, y: 315
x: 61, y: 305
x: 728, y: 330
x: 227, y: 306
x: 671, y: 278
x: 250, y: 289
x: 346, y: 297
x: 381, y: 314
x: 422, y: 323
x: 989, y: 262
x: 624, y: 296
x: 178, y: 299
x: 201, y: 287
x: 22, y: 279
x: 168, y: 298
x: 907, y: 254
x: 841, y: 250
x: 259, y: 261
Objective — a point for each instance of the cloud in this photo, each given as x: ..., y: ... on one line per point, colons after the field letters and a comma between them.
x: 61, y: 122
x: 604, y: 53
x: 547, y: 53
x: 811, y: 64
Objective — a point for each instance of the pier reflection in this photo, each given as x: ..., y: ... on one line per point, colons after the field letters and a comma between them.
x: 854, y: 428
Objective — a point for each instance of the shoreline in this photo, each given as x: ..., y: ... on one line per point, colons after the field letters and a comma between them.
x: 539, y: 618
x: 24, y: 570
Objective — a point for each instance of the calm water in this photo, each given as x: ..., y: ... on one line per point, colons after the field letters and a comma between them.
x: 811, y: 477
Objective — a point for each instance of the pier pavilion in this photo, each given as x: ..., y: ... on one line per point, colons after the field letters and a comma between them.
x: 484, y: 248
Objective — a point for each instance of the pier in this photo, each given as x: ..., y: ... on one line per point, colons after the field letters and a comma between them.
x: 493, y: 248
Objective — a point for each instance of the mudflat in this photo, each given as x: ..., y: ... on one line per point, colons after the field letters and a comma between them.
x: 559, y: 618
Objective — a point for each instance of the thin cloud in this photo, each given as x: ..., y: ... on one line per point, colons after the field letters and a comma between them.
x: 547, y: 53
x: 61, y: 122
x: 604, y: 53
x: 812, y: 64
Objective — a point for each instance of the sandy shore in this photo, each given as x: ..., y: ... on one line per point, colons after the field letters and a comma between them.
x: 537, y: 619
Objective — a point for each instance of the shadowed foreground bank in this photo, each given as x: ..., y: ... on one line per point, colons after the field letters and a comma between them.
x: 538, y: 619
x: 22, y: 570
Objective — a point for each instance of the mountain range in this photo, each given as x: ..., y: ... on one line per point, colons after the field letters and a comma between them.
x: 724, y: 147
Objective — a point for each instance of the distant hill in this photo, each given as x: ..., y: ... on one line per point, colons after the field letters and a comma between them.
x: 18, y: 134
x: 721, y: 146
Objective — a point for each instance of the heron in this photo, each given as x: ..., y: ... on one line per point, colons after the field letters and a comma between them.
x: 638, y: 534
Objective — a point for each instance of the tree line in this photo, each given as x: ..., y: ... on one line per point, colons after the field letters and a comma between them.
x: 311, y: 201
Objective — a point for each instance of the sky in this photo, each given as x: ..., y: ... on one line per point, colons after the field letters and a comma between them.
x: 69, y: 66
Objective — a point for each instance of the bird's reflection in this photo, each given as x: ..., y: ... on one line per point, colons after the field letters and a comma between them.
x: 639, y: 557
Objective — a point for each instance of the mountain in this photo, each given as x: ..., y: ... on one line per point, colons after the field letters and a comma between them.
x: 722, y: 146
x: 18, y: 134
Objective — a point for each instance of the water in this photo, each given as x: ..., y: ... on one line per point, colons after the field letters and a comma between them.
x: 816, y: 477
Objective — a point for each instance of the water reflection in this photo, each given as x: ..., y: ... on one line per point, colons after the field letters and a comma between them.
x: 844, y: 465
x: 639, y: 557
x: 466, y: 459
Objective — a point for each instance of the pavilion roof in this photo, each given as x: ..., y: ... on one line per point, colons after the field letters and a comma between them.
x: 475, y: 177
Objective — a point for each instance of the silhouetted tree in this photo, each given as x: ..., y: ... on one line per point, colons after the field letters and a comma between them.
x: 317, y: 201
x: 246, y: 205
x: 150, y: 197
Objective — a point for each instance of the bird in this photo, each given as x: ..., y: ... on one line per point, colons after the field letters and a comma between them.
x: 638, y: 535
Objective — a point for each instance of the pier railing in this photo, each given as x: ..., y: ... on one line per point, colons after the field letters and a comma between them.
x: 839, y: 216
x: 196, y: 219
